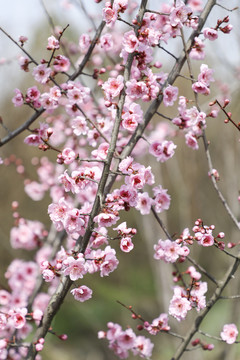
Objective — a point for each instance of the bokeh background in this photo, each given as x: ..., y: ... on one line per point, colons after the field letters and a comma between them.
x: 140, y: 281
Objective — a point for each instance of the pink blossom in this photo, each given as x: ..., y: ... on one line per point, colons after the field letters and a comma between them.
x: 106, y: 219
x: 200, y: 88
x: 205, y: 238
x: 4, y: 297
x: 206, y: 75
x: 210, y: 34
x: 37, y: 314
x: 82, y: 293
x: 22, y: 39
x: 109, y: 263
x: 48, y: 275
x: 126, y: 339
x: 68, y: 156
x: 27, y: 235
x: 143, y: 347
x: 78, y: 94
x: 144, y: 203
x: 128, y: 194
x: 53, y: 43
x: 84, y: 42
x: 47, y: 102
x: 101, y: 152
x: 41, y: 73
x: 35, y: 190
x: 18, y: 99
x: 158, y: 324
x: 75, y: 268
x: 229, y: 333
x: 57, y: 213
x: 136, y: 89
x: 3, y: 321
x: 179, y: 306
x: 170, y: 94
x: 161, y: 199
x: 106, y: 42
x: 39, y: 347
x: 167, y: 250
x: 74, y: 223
x: 197, y: 51
x: 126, y: 244
x: 179, y: 14
x: 113, y: 87
x: 130, y: 41
x: 194, y: 273
x: 109, y: 14
x: 162, y: 150
x: 17, y: 317
x: 191, y: 141
x: 137, y: 181
x: 79, y: 126
x: 24, y: 62
x: 33, y: 94
x: 196, y: 5
x: 61, y: 63
x: 67, y: 182
x: 126, y: 165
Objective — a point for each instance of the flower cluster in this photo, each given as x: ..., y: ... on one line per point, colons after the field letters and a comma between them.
x: 97, y: 129
x: 123, y: 341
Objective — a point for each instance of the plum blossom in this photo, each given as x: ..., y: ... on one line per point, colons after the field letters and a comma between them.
x: 113, y: 86
x: 170, y: 94
x: 121, y: 342
x: 17, y: 317
x: 144, y: 203
x: 84, y: 42
x: 136, y: 89
x: 143, y: 347
x: 126, y: 165
x: 179, y: 305
x: 110, y: 13
x: 58, y: 212
x: 110, y: 262
x: 167, y: 250
x: 162, y: 150
x: 179, y: 14
x: 130, y: 42
x: 158, y: 324
x: 106, y: 42
x: 197, y: 52
x: 210, y: 34
x: 3, y: 321
x: 61, y: 63
x: 41, y: 73
x: 74, y: 223
x: 229, y: 333
x: 33, y: 94
x: 79, y: 126
x: 18, y: 99
x: 68, y: 156
x: 106, y: 219
x: 53, y: 43
x: 161, y: 199
x: 75, y: 268
x: 126, y: 244
x: 48, y: 275
x: 82, y: 293
x: 27, y: 235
